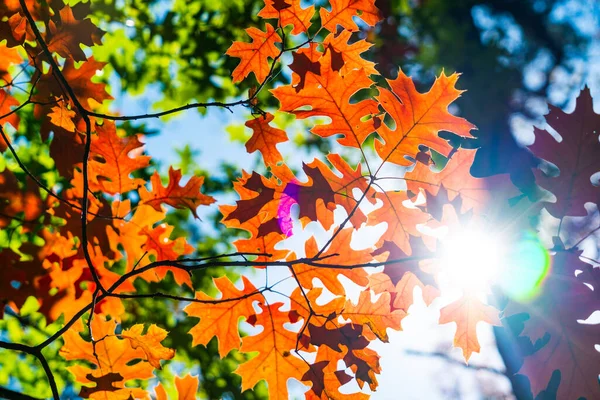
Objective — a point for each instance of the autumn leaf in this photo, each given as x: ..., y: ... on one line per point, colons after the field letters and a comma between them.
x: 347, y: 56
x: 289, y: 12
x: 62, y: 117
x: 418, y: 118
x: 88, y: 92
x: 401, y: 218
x: 188, y: 196
x: 254, y: 56
x: 265, y: 138
x: 7, y: 103
x: 343, y: 188
x: 343, y: 11
x: 565, y: 299
x: 378, y: 315
x: 322, y: 313
x: 467, y: 312
x: 15, y: 201
x: 65, y: 37
x: 220, y: 318
x: 328, y: 95
x: 141, y: 240
x: 111, y: 355
x: 103, y: 384
x: 187, y: 387
x: 149, y: 342
x: 259, y: 206
x: 326, y: 379
x: 112, y: 164
x: 339, y: 253
x: 275, y: 362
x: 576, y: 157
x: 455, y: 178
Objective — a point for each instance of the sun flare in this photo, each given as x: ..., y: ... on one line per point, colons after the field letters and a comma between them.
x: 471, y: 259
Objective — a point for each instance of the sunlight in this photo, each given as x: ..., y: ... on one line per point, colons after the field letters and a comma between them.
x: 471, y: 259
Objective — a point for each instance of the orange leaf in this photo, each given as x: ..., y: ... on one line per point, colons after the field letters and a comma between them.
x: 113, y: 355
x: 8, y: 57
x: 63, y: 117
x: 467, y: 312
x: 220, y: 317
x: 378, y: 315
x: 149, y: 343
x: 339, y: 253
x: 254, y: 56
x: 174, y: 195
x: 7, y: 102
x: 342, y: 12
x: 187, y: 387
x: 140, y: 239
x: 265, y: 138
x: 418, y: 117
x: 323, y: 313
x: 455, y: 178
x: 65, y: 38
x: 328, y: 95
x: 89, y: 93
x: 275, y: 362
x: 401, y: 220
x: 348, y: 55
x: 326, y: 378
x: 111, y: 164
x: 289, y: 12
x: 343, y: 187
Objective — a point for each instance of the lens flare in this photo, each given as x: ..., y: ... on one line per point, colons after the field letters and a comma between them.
x: 471, y: 259
x: 526, y: 265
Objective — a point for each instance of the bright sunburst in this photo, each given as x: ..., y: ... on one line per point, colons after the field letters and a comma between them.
x: 471, y: 259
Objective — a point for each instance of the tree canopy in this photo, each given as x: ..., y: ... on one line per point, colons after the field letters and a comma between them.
x: 112, y: 285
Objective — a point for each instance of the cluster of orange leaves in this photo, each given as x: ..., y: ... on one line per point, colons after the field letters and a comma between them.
x: 326, y: 75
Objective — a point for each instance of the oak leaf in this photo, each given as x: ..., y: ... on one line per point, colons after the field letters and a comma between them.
x: 455, y: 178
x: 62, y: 117
x: 401, y: 217
x: 254, y: 56
x: 328, y: 95
x: 338, y: 259
x: 349, y: 55
x: 220, y: 317
x: 15, y: 200
x: 141, y: 239
x: 563, y: 300
x: 378, y: 315
x: 88, y: 92
x: 110, y: 355
x: 7, y: 102
x: 467, y: 312
x: 187, y: 387
x: 265, y: 138
x: 112, y: 164
x: 418, y: 118
x: 303, y: 63
x: 66, y: 36
x: 322, y: 313
x: 576, y: 156
x: 342, y: 12
x: 188, y: 196
x: 275, y: 362
x: 149, y: 342
x: 289, y: 12
x: 326, y: 378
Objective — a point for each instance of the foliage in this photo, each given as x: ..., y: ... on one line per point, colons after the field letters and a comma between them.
x: 89, y: 243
